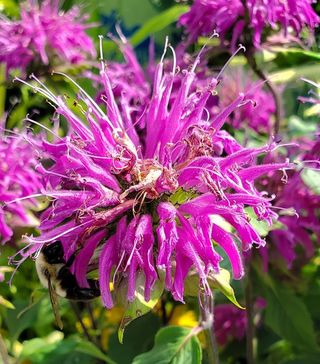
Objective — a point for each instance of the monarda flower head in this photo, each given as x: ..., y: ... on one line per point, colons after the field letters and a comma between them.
x: 18, y: 179
x: 299, y: 199
x: 150, y: 204
x: 229, y: 16
x: 44, y: 34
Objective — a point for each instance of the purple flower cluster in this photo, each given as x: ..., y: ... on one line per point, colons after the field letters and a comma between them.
x: 149, y: 203
x: 18, y: 179
x: 230, y: 322
x: 227, y: 17
x: 42, y: 34
x: 256, y: 114
x: 301, y: 227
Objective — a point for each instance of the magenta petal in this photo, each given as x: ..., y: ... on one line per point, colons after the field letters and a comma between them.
x: 5, y: 231
x: 83, y: 258
x: 108, y: 258
x: 167, y: 239
x: 183, y: 265
x: 145, y: 231
x: 226, y: 242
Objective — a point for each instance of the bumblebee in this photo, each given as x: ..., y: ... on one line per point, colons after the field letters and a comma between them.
x: 54, y: 273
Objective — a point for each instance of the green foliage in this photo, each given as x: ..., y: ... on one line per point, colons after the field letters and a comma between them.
x: 287, y: 316
x: 54, y: 349
x: 138, y: 338
x: 312, y: 179
x: 9, y: 7
x: 220, y: 282
x: 302, y: 359
x: 173, y: 345
x: 288, y: 57
x: 158, y: 23
x: 139, y: 306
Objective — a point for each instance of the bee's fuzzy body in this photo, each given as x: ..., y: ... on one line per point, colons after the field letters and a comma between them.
x: 53, y: 270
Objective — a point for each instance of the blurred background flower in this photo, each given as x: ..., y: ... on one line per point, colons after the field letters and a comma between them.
x: 235, y: 20
x: 44, y: 35
x: 19, y: 180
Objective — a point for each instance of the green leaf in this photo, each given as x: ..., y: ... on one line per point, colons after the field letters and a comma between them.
x: 174, y: 345
x: 288, y: 317
x: 9, y: 7
x: 219, y: 281
x: 299, y: 127
x: 140, y: 306
x: 89, y: 348
x: 294, y: 73
x: 158, y: 23
x: 181, y: 196
x: 286, y: 57
x: 312, y: 179
x: 6, y: 303
x: 261, y: 226
x: 53, y: 349
x: 139, y: 338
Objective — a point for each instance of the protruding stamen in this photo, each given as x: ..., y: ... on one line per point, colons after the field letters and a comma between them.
x: 241, y: 47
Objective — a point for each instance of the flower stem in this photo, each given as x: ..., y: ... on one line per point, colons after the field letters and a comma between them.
x: 255, y: 68
x: 250, y: 324
x: 3, y: 351
x: 250, y: 56
x: 212, y: 351
x: 206, y: 306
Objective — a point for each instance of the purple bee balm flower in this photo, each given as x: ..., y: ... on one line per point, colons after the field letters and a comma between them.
x: 44, y: 34
x: 258, y: 113
x: 150, y: 204
x: 227, y: 17
x: 230, y: 322
x: 302, y: 226
x: 18, y: 179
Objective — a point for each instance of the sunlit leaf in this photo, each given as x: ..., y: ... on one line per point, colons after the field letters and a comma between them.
x: 294, y: 73
x: 174, y: 345
x: 140, y: 306
x: 9, y: 7
x: 181, y: 196
x: 261, y: 226
x: 312, y: 179
x: 293, y: 56
x: 6, y: 303
x: 219, y: 281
